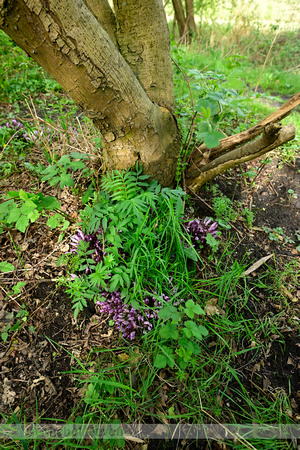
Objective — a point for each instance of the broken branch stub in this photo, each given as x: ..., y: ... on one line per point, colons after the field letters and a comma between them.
x: 273, y: 136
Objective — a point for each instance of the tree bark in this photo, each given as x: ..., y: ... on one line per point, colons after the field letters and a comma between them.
x: 117, y: 69
x: 201, y: 155
x: 67, y: 40
x: 185, y: 19
x: 190, y: 17
x: 273, y: 136
x: 143, y: 38
x: 180, y: 17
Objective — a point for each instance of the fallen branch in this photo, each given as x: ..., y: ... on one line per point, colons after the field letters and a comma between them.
x: 273, y: 136
x: 201, y: 153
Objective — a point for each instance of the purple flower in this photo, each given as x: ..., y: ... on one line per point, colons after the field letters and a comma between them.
x: 128, y: 320
x: 200, y: 229
x: 94, y: 243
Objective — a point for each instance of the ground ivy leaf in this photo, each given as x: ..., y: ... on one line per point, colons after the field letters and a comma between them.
x: 160, y: 361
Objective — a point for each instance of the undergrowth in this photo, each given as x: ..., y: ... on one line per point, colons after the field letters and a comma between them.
x: 183, y: 315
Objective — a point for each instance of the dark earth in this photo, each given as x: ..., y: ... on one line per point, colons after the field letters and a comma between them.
x: 35, y: 363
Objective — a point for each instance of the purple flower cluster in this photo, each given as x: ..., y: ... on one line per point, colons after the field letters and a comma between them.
x: 30, y: 136
x: 15, y: 124
x: 44, y: 132
x: 129, y: 320
x: 95, y: 243
x: 200, y: 229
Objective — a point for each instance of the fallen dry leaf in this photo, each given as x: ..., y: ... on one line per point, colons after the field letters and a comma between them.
x: 211, y: 307
x: 256, y: 265
x: 8, y: 396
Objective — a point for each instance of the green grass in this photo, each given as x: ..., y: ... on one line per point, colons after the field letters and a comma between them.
x: 124, y: 382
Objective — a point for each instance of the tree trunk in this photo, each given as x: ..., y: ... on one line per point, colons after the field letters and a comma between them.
x: 116, y: 66
x: 180, y: 18
x: 130, y: 96
x: 190, y: 17
x: 185, y: 21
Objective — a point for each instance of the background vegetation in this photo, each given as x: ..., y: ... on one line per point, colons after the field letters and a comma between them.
x: 207, y: 322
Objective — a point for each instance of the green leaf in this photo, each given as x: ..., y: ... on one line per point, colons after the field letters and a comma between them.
x: 12, y: 194
x: 213, y: 139
x: 33, y: 215
x: 14, y: 215
x: 169, y: 312
x: 75, y: 165
x: 78, y: 155
x: 64, y: 160
x: 170, y: 356
x: 169, y: 331
x: 66, y: 180
x: 50, y: 203
x: 22, y: 223
x: 6, y: 267
x: 4, y: 336
x: 54, y: 221
x: 23, y: 195
x: 190, y: 253
x: 160, y: 361
x: 196, y: 330
x: 17, y: 288
x: 192, y: 309
x: 179, y: 207
x: 207, y: 104
x: 65, y: 225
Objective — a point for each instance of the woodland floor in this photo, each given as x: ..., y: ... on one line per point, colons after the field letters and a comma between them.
x: 34, y: 366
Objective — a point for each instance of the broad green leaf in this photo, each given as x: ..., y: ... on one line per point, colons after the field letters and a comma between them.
x: 14, y: 215
x: 170, y: 355
x: 54, y: 221
x: 12, y: 194
x: 66, y: 180
x: 33, y: 215
x: 6, y: 267
x: 169, y: 331
x: 192, y: 309
x: 160, y: 361
x: 212, y: 140
x: 65, y: 159
x: 23, y: 195
x: 65, y: 225
x: 4, y: 336
x: 22, y: 223
x: 17, y: 288
x: 191, y: 328
x: 78, y: 155
x: 169, y: 312
x: 75, y: 165
x: 190, y: 253
x: 50, y: 203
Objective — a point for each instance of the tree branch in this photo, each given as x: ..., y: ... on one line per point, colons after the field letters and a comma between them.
x: 234, y: 141
x: 273, y: 136
x: 144, y: 42
x: 105, y: 16
x: 65, y: 38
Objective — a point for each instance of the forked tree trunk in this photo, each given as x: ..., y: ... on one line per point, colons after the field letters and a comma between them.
x: 185, y: 19
x: 116, y: 66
